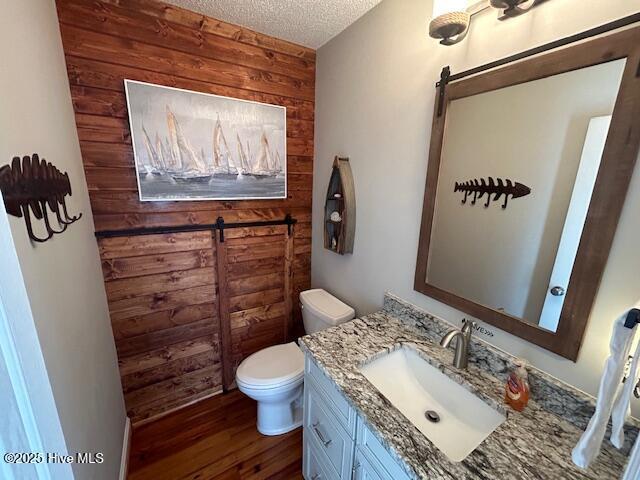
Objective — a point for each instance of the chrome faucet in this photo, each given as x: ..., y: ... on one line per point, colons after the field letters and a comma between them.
x: 461, y: 358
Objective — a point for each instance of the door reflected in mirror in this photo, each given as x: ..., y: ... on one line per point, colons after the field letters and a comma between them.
x: 517, y: 170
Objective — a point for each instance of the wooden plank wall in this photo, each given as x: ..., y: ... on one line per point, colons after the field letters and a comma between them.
x: 176, y: 335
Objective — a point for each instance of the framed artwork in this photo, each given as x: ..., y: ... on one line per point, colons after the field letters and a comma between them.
x: 197, y: 146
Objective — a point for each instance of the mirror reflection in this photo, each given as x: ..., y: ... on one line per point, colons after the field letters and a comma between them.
x: 517, y: 170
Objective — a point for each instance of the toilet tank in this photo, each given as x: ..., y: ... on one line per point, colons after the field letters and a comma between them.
x: 322, y: 310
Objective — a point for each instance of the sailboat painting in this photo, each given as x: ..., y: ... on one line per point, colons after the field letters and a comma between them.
x: 196, y: 146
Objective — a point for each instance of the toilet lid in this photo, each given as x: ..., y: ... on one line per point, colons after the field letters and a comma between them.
x: 272, y: 366
x: 328, y: 307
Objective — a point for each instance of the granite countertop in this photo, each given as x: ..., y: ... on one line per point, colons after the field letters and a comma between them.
x: 534, y: 444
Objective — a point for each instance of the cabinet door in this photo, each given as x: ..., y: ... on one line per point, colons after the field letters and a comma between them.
x: 334, y: 445
x: 312, y: 465
x: 377, y: 455
x: 363, y: 469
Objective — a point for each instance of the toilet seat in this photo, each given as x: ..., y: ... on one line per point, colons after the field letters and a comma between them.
x: 272, y: 367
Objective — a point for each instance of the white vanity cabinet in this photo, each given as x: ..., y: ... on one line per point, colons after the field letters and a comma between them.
x: 337, y: 444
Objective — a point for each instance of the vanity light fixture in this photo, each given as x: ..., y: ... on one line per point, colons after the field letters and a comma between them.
x: 450, y: 19
x: 513, y: 8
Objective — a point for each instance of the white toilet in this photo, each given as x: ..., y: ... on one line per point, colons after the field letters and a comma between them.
x: 274, y: 376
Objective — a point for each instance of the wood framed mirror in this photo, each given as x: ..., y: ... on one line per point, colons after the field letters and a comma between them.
x: 529, y: 166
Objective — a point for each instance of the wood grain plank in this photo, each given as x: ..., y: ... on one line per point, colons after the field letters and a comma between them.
x: 121, y: 51
x: 199, y: 22
x: 143, y: 305
x: 246, y: 238
x: 303, y: 230
x: 132, y: 246
x: 136, y: 25
x: 86, y: 72
x: 160, y: 283
x: 253, y: 232
x: 115, y: 222
x: 184, y: 386
x: 256, y: 267
x: 98, y: 128
x: 119, y: 221
x: 259, y: 336
x: 169, y: 370
x: 244, y: 252
x: 158, y: 339
x: 302, y: 246
x: 246, y: 318
x: 108, y: 102
x: 106, y: 202
x: 252, y: 300
x: 141, y: 324
x: 256, y: 283
x: 115, y: 268
x: 155, y: 358
x: 96, y: 101
x: 167, y: 405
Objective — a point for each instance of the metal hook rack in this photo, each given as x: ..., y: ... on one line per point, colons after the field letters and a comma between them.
x: 28, y: 186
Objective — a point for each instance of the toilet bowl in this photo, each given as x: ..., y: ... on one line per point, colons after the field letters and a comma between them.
x: 274, y: 376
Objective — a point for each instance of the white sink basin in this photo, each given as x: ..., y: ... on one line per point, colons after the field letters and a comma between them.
x: 414, y: 387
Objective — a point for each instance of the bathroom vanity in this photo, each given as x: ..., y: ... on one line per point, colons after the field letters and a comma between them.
x: 337, y: 441
x: 354, y: 430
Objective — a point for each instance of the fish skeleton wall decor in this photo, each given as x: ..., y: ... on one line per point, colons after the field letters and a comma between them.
x: 31, y: 185
x: 480, y: 188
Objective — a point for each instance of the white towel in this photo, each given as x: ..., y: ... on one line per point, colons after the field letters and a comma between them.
x: 633, y: 467
x: 588, y: 446
x: 622, y: 406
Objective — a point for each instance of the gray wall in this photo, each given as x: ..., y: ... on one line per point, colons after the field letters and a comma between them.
x: 63, y: 276
x: 374, y: 103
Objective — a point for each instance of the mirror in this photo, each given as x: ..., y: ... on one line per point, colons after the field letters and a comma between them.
x: 542, y: 141
x: 529, y: 165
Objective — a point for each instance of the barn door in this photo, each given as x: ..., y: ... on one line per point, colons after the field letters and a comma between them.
x: 187, y: 308
x: 255, y: 290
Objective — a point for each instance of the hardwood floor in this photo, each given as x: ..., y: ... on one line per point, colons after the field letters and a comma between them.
x: 215, y: 438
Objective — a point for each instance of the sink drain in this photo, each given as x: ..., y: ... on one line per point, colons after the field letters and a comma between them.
x: 432, y: 416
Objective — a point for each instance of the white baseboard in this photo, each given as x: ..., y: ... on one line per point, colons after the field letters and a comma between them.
x: 126, y: 447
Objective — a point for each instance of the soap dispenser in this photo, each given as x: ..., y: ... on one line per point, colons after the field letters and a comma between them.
x: 517, y: 387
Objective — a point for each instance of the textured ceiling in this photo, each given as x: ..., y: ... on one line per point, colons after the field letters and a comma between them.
x: 307, y: 22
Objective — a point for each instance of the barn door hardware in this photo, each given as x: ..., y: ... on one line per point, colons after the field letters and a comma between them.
x: 445, y: 75
x: 29, y: 186
x: 289, y: 222
x: 479, y: 188
x: 219, y: 225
